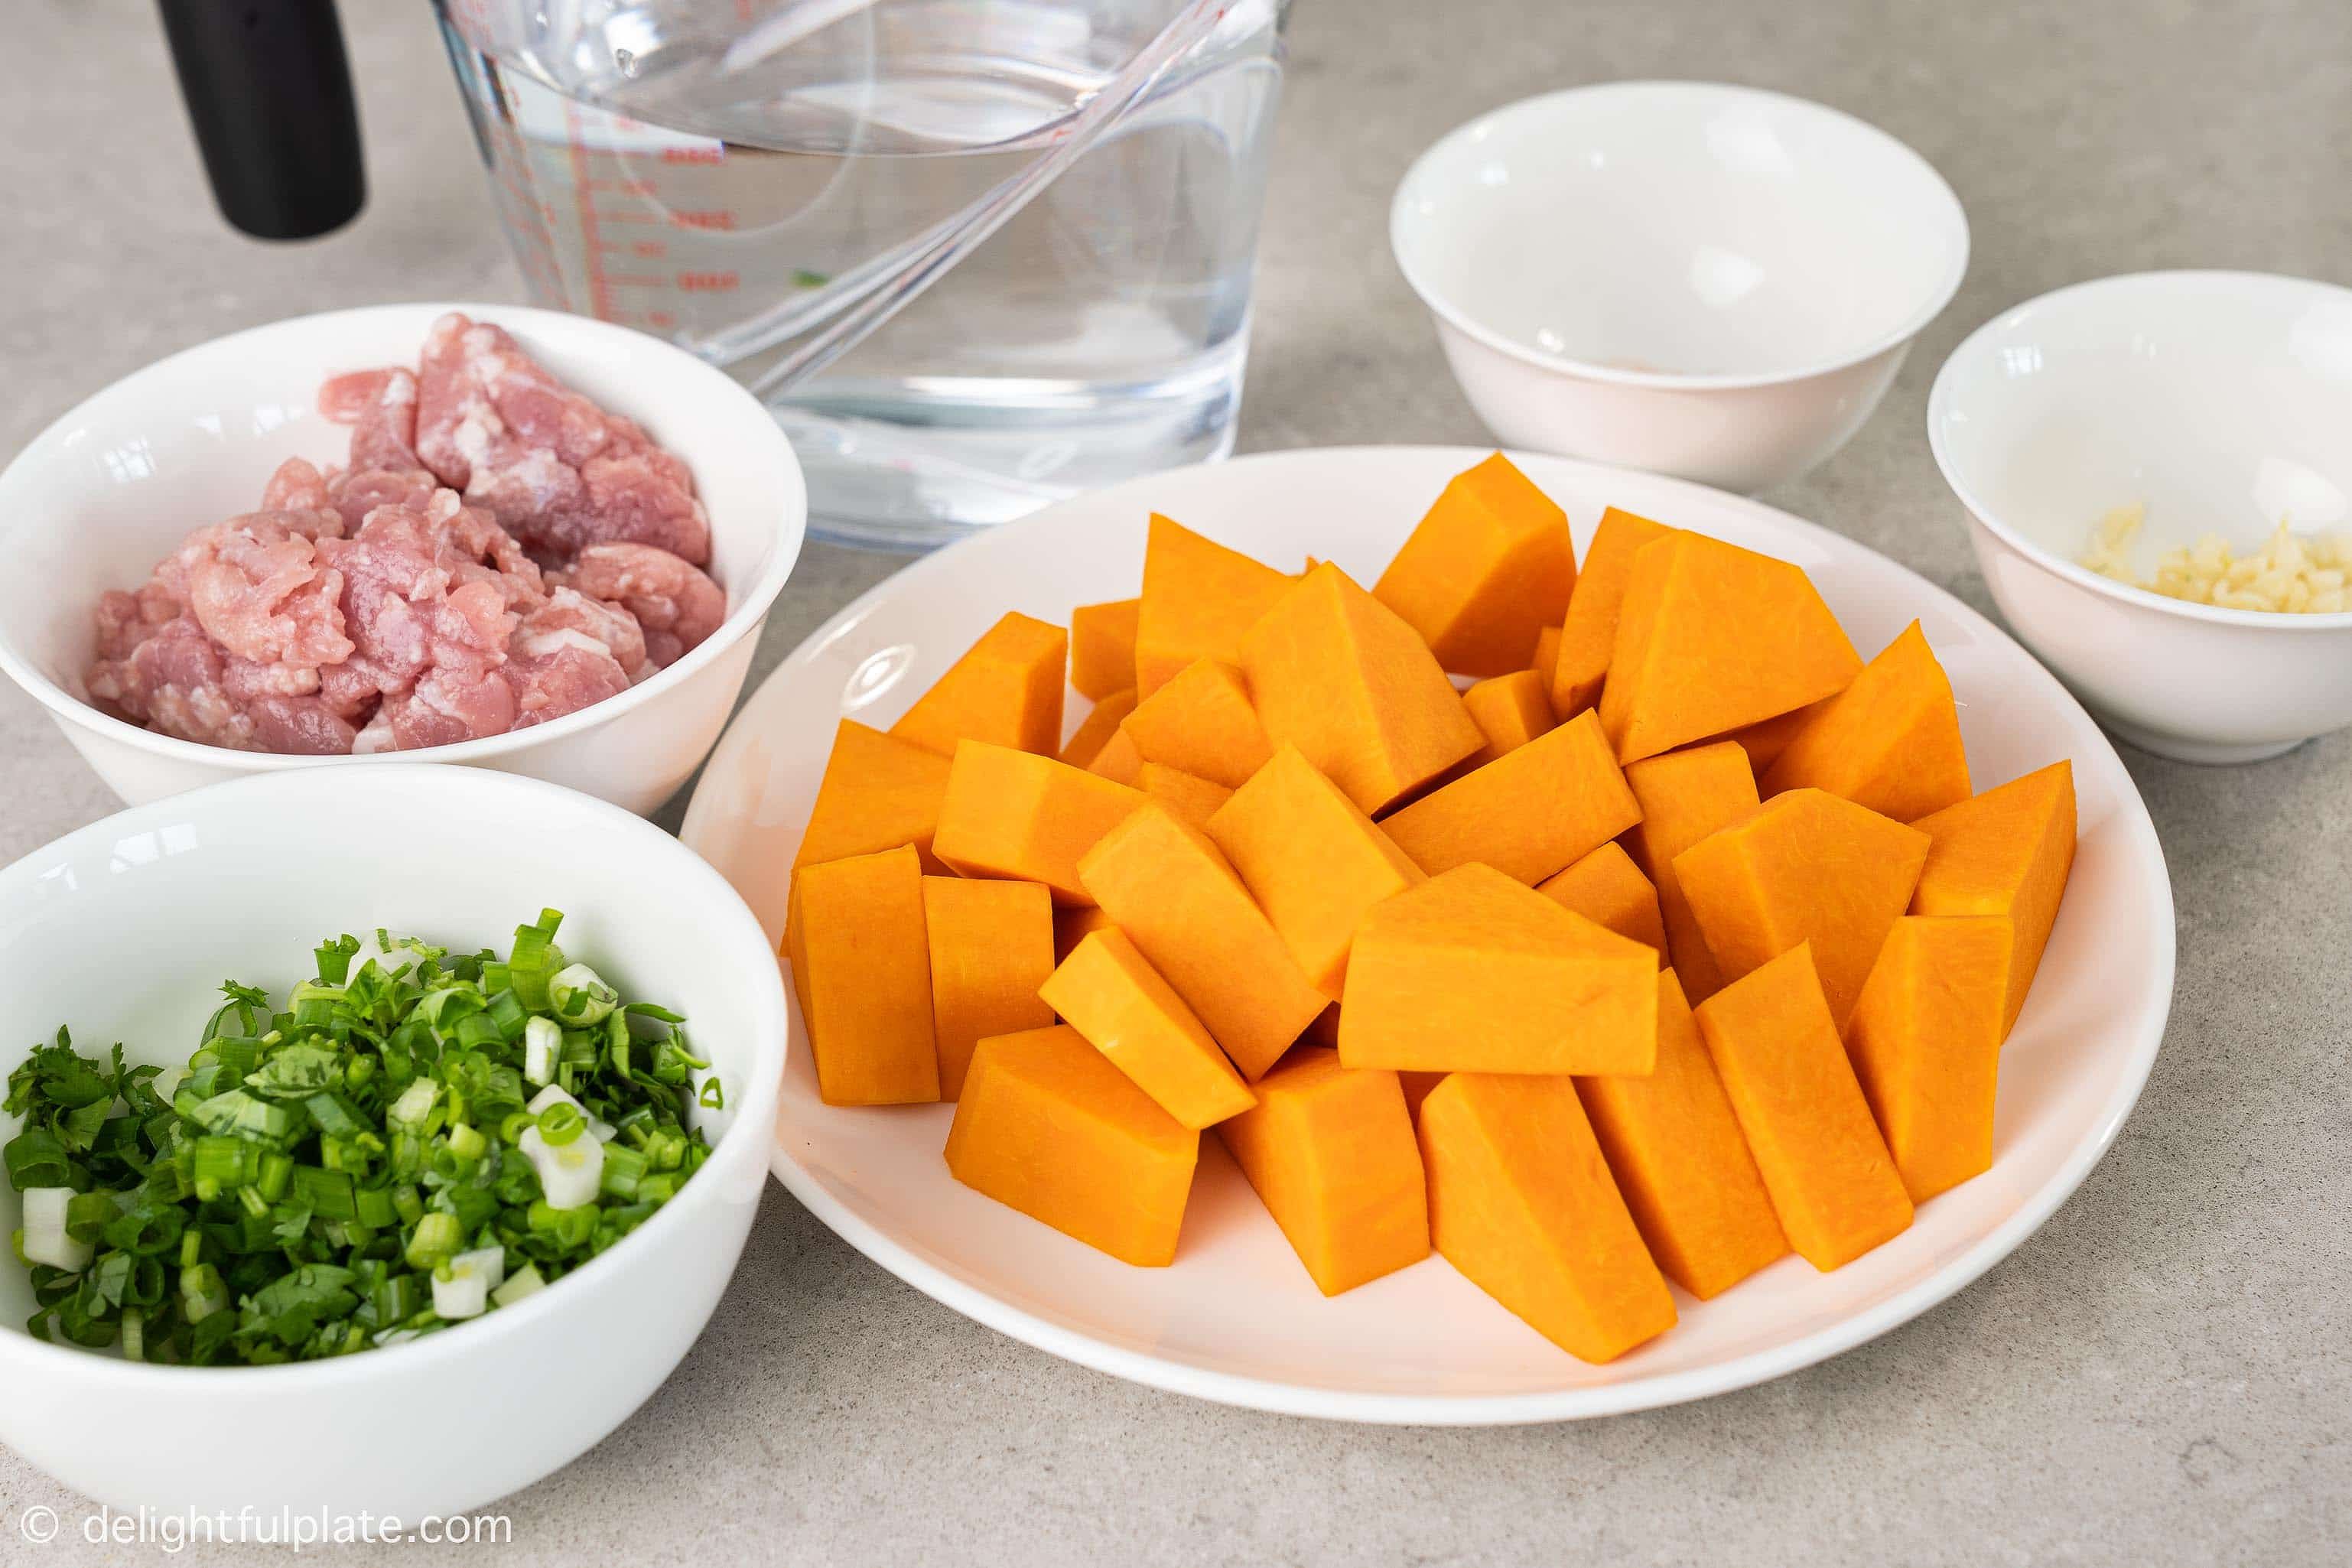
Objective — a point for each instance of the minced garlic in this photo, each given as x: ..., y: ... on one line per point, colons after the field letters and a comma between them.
x: 2291, y: 573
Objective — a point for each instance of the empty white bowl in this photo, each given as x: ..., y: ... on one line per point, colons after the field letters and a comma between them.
x: 111, y: 488
x: 1710, y: 281
x: 2220, y: 399
x: 123, y: 931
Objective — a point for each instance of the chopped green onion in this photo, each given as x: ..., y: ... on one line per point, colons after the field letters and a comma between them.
x: 579, y: 996
x: 561, y: 1123
x: 524, y: 1281
x: 436, y: 1236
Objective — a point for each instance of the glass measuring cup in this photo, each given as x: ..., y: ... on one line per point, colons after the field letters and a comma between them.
x: 976, y: 255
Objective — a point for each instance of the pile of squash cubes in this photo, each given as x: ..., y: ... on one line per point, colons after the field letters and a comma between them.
x: 1677, y: 942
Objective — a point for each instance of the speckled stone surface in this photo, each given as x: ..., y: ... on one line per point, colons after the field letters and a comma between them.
x: 2160, y: 1377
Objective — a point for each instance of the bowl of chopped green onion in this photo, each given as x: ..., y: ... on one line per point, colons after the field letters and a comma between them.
x: 400, y: 1125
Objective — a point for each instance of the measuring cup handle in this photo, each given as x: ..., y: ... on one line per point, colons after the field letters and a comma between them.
x: 270, y: 95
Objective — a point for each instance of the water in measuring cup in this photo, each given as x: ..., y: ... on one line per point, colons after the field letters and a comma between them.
x: 1101, y: 333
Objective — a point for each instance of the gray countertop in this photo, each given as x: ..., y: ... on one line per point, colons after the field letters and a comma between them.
x: 2159, y: 1376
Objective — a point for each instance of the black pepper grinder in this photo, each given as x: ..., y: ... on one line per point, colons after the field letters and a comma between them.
x: 269, y: 92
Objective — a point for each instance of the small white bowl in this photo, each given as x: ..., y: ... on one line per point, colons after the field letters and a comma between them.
x: 124, y: 929
x: 1709, y: 281
x: 2220, y: 399
x: 113, y: 487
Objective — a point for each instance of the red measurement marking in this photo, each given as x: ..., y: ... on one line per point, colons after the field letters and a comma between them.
x: 650, y: 249
x: 694, y: 155
x: 714, y: 217
x: 660, y: 319
x: 600, y: 297
x: 707, y: 282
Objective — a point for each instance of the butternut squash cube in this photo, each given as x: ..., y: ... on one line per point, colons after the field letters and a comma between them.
x: 1833, y: 1182
x: 1007, y: 690
x: 1336, y: 673
x: 1890, y: 740
x: 862, y: 966
x: 1526, y: 814
x: 1676, y: 1151
x: 1332, y: 1155
x: 2008, y: 851
x: 1803, y: 867
x: 1118, y: 761
x: 992, y: 945
x: 1102, y: 648
x: 877, y: 792
x: 1547, y: 660
x: 1313, y: 860
x: 1521, y: 1202
x: 1095, y: 730
x: 1049, y: 1127
x: 1109, y: 993
x: 1473, y: 972
x: 1025, y: 817
x: 1590, y: 634
x: 1684, y: 797
x: 1712, y: 638
x: 1925, y: 1041
x: 1765, y: 739
x: 1178, y: 899
x: 1198, y: 599
x: 1194, y: 800
x: 1488, y: 568
x: 1201, y: 722
x: 1509, y: 711
x: 1607, y: 889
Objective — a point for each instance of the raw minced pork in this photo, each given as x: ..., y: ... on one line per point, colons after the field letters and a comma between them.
x: 496, y: 553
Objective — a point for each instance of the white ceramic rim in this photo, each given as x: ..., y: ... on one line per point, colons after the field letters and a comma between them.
x: 741, y: 616
x: 1519, y: 1409
x: 755, y: 1114
x: 1463, y: 322
x: 1939, y: 397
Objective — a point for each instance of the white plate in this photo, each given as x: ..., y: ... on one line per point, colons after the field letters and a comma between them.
x: 1236, y: 1318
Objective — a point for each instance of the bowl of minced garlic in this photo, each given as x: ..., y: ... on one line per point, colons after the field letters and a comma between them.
x: 2290, y: 573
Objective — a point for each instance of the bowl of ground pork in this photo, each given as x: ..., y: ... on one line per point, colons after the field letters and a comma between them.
x: 479, y: 535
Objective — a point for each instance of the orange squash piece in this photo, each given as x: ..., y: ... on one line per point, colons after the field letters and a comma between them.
x: 1095, y: 730
x: 1589, y: 634
x: 1529, y: 812
x: 1007, y: 690
x: 1676, y: 1151
x: 1118, y: 760
x: 1607, y: 889
x: 1198, y: 599
x: 2005, y: 852
x: 1890, y: 740
x: 1925, y: 1041
x: 1203, y: 723
x: 1473, y: 972
x: 1488, y: 567
x: 1332, y: 1155
x: 1547, y: 662
x: 1712, y: 638
x: 863, y: 969
x: 992, y: 945
x: 1047, y: 1126
x: 1315, y: 863
x: 1803, y: 867
x: 1509, y: 711
x: 1765, y: 739
x: 1522, y: 1202
x: 1102, y: 648
x: 1336, y: 673
x: 1072, y: 927
x: 877, y: 792
x: 1178, y: 899
x: 1684, y: 797
x: 1833, y: 1184
x: 1194, y: 800
x: 1013, y: 815
x: 1109, y: 993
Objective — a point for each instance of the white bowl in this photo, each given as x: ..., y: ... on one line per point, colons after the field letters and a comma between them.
x: 124, y: 931
x: 2221, y: 399
x: 111, y: 488
x: 1715, y: 282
